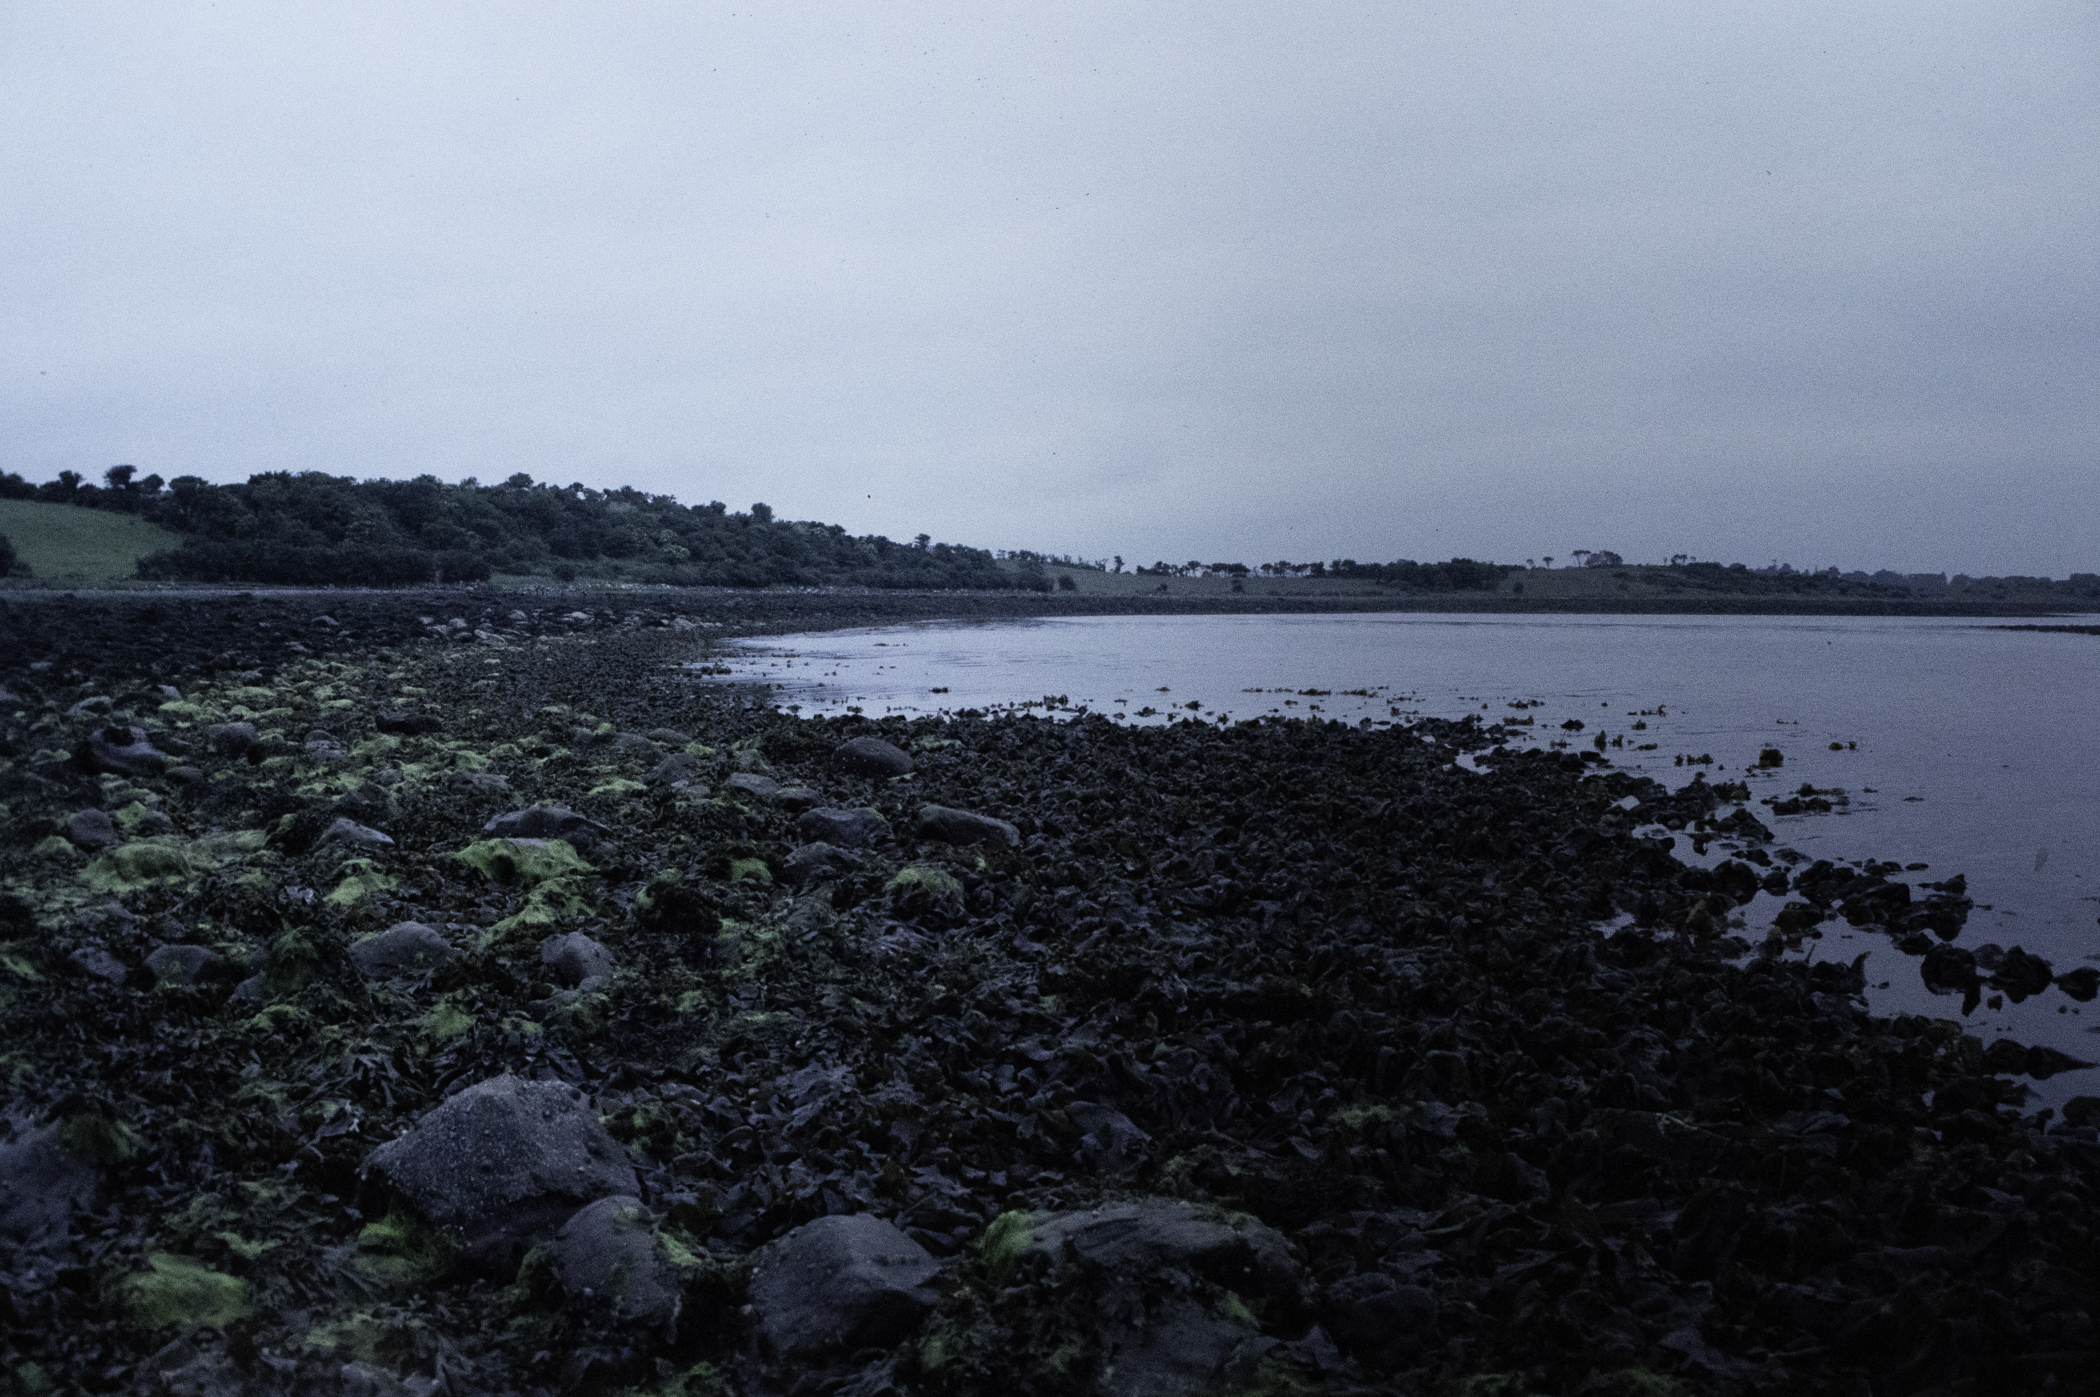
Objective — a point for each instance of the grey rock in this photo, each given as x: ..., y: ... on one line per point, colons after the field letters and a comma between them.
x: 122, y: 751
x: 96, y: 706
x: 352, y: 835
x: 405, y: 948
x: 838, y: 1284
x: 1182, y: 1350
x: 870, y: 756
x: 41, y: 1183
x: 253, y: 990
x: 324, y: 746
x: 504, y: 1163
x: 1112, y: 1142
x: 168, y: 693
x: 635, y: 745
x: 94, y: 961
x: 230, y: 739
x: 964, y: 827
x: 668, y: 737
x: 477, y: 783
x: 171, y: 743
x: 1150, y: 1236
x: 608, y: 1257
x: 752, y: 784
x: 848, y: 829
x: 187, y: 965
x: 674, y: 771
x: 92, y: 830
x: 576, y: 960
x: 8, y: 695
x: 549, y: 822
x: 797, y: 798
x: 408, y: 724
x: 816, y: 863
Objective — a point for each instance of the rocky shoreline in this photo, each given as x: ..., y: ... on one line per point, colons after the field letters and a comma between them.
x: 395, y: 1005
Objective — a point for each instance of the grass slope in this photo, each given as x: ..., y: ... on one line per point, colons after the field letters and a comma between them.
x: 64, y: 544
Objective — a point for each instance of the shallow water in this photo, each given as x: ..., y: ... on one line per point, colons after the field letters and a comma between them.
x: 1977, y: 750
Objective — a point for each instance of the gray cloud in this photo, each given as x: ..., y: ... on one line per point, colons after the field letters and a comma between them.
x: 1804, y: 282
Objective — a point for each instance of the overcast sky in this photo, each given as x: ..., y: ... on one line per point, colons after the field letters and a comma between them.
x: 1808, y: 282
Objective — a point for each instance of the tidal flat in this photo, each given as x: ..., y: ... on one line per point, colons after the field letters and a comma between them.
x: 452, y: 992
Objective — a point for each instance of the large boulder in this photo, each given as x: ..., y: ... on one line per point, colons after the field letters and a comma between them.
x: 121, y: 751
x: 845, y: 829
x: 609, y: 1258
x: 838, y: 1284
x: 750, y: 783
x: 870, y: 756
x: 405, y: 948
x: 503, y: 1163
x: 576, y: 960
x: 964, y: 827
x: 580, y: 832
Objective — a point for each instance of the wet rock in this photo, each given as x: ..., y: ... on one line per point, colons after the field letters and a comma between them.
x: 838, y: 1284
x: 230, y: 739
x: 92, y: 830
x: 405, y: 948
x: 549, y: 822
x: 816, y: 863
x: 121, y: 751
x: 2020, y: 974
x: 870, y: 756
x: 41, y: 1184
x: 351, y: 835
x: 577, y: 960
x: 95, y: 962
x: 188, y: 965
x: 503, y: 1163
x: 847, y: 829
x: 477, y: 783
x: 948, y: 826
x: 750, y: 783
x: 405, y: 724
x: 609, y: 1259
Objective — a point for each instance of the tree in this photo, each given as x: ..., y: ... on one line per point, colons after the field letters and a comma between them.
x: 119, y: 477
x: 1119, y: 562
x: 1603, y: 558
x: 761, y: 514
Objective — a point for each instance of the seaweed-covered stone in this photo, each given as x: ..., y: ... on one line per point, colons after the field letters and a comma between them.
x: 188, y: 965
x: 838, y: 1284
x: 503, y: 1163
x: 609, y: 1258
x: 549, y: 822
x: 846, y: 829
x: 1149, y: 1236
x: 477, y: 783
x: 964, y: 827
x: 576, y: 959
x: 927, y: 893
x: 405, y: 948
x: 870, y: 756
x: 351, y: 835
x: 92, y: 830
x: 230, y: 739
x: 122, y: 751
x: 408, y: 724
x: 817, y: 862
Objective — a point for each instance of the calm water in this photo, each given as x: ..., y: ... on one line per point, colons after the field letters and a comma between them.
x: 1978, y: 750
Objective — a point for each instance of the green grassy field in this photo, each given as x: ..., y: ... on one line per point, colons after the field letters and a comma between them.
x: 64, y: 544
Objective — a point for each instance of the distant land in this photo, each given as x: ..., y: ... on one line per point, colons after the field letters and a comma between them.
x: 313, y: 529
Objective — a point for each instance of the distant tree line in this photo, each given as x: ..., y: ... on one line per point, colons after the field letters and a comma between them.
x: 309, y: 527
x: 1457, y: 575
